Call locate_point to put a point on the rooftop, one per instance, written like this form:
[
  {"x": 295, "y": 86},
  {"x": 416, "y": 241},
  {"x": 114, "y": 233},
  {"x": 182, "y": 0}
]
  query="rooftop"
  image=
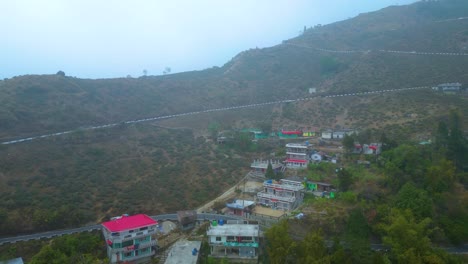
[
  {"x": 181, "y": 252},
  {"x": 129, "y": 222},
  {"x": 240, "y": 204},
  {"x": 234, "y": 230},
  {"x": 296, "y": 145}
]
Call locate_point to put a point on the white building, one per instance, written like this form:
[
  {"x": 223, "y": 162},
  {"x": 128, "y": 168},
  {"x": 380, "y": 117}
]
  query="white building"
[
  {"x": 327, "y": 134},
  {"x": 234, "y": 239},
  {"x": 296, "y": 156},
  {"x": 283, "y": 195}
]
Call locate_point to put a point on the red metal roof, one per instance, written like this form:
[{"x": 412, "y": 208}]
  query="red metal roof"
[
  {"x": 129, "y": 222},
  {"x": 296, "y": 160},
  {"x": 291, "y": 132}
]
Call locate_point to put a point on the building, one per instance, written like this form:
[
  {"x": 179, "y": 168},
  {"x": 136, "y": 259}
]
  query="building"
[
  {"x": 129, "y": 238},
  {"x": 240, "y": 207},
  {"x": 448, "y": 87},
  {"x": 338, "y": 134},
  {"x": 283, "y": 195},
  {"x": 187, "y": 219},
  {"x": 327, "y": 134},
  {"x": 260, "y": 166},
  {"x": 373, "y": 148},
  {"x": 320, "y": 189},
  {"x": 296, "y": 155},
  {"x": 183, "y": 251},
  {"x": 12, "y": 261},
  {"x": 235, "y": 239}
]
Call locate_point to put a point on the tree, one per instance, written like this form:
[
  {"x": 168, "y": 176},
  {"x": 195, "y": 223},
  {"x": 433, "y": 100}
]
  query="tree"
[
  {"x": 387, "y": 143},
  {"x": 167, "y": 70},
  {"x": 280, "y": 247},
  {"x": 344, "y": 179},
  {"x": 415, "y": 199},
  {"x": 145, "y": 72},
  {"x": 348, "y": 143},
  {"x": 457, "y": 144},
  {"x": 61, "y": 73},
  {"x": 407, "y": 237},
  {"x": 440, "y": 177},
  {"x": 270, "y": 174},
  {"x": 312, "y": 249}
]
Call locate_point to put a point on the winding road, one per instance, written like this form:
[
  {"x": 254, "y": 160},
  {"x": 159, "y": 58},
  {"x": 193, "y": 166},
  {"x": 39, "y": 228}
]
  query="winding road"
[{"x": 57, "y": 233}]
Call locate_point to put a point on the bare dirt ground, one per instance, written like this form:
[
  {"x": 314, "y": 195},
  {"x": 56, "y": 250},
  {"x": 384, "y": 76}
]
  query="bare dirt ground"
[{"x": 249, "y": 186}]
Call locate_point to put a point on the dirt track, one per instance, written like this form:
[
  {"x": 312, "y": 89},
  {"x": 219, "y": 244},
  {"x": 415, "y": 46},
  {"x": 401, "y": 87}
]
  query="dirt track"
[{"x": 229, "y": 194}]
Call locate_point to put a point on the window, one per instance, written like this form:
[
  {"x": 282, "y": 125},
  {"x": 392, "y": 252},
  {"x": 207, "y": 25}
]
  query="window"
[
  {"x": 127, "y": 243},
  {"x": 218, "y": 238},
  {"x": 231, "y": 238},
  {"x": 246, "y": 239},
  {"x": 143, "y": 228},
  {"x": 129, "y": 254},
  {"x": 139, "y": 233},
  {"x": 117, "y": 245},
  {"x": 131, "y": 231}
]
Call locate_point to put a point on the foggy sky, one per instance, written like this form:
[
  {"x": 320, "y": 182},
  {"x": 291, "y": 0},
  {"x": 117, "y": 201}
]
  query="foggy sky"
[{"x": 104, "y": 39}]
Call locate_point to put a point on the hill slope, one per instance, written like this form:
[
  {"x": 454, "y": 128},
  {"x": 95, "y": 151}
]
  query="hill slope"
[{"x": 150, "y": 169}]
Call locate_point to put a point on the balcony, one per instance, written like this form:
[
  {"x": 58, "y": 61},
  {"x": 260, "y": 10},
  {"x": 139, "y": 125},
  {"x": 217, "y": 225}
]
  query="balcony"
[
  {"x": 289, "y": 199},
  {"x": 144, "y": 255},
  {"x": 131, "y": 236},
  {"x": 140, "y": 246},
  {"x": 285, "y": 185}
]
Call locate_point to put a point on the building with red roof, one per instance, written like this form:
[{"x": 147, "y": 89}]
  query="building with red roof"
[
  {"x": 296, "y": 156},
  {"x": 130, "y": 238},
  {"x": 284, "y": 195}
]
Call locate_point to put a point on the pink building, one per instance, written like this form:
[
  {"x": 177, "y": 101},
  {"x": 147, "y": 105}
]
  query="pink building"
[{"x": 129, "y": 238}]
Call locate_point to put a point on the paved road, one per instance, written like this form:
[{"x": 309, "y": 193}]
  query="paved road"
[
  {"x": 21, "y": 140},
  {"x": 50, "y": 234}
]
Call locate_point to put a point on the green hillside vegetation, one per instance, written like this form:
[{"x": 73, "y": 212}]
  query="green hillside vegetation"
[
  {"x": 413, "y": 201},
  {"x": 91, "y": 176}
]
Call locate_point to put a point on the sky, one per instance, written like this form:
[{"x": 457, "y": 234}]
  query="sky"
[{"x": 115, "y": 38}]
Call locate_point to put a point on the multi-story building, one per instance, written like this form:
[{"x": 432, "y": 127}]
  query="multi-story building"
[
  {"x": 283, "y": 195},
  {"x": 235, "y": 239},
  {"x": 129, "y": 238},
  {"x": 260, "y": 166},
  {"x": 296, "y": 156}
]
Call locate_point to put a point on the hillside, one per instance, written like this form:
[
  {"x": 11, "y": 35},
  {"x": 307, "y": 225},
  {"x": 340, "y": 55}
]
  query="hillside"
[
  {"x": 147, "y": 168},
  {"x": 38, "y": 104}
]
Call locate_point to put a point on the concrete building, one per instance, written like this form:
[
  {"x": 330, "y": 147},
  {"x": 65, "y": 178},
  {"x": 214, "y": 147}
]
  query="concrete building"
[
  {"x": 187, "y": 219},
  {"x": 129, "y": 238},
  {"x": 184, "y": 252},
  {"x": 296, "y": 156},
  {"x": 327, "y": 134},
  {"x": 448, "y": 87},
  {"x": 283, "y": 195},
  {"x": 234, "y": 239},
  {"x": 260, "y": 166},
  {"x": 240, "y": 207}
]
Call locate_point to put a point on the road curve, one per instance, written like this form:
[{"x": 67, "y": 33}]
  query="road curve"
[{"x": 57, "y": 233}]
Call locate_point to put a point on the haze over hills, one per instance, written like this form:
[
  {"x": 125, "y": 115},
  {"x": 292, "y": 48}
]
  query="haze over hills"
[{"x": 40, "y": 104}]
